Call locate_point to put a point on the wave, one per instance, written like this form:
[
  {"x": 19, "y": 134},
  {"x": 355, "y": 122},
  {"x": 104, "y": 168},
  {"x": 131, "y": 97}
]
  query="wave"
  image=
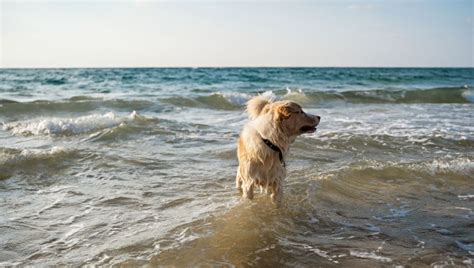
[
  {"x": 125, "y": 131},
  {"x": 227, "y": 101},
  {"x": 74, "y": 104},
  {"x": 360, "y": 202},
  {"x": 369, "y": 176},
  {"x": 460, "y": 166},
  {"x": 217, "y": 100},
  {"x": 27, "y": 159},
  {"x": 296, "y": 95},
  {"x": 9, "y": 156},
  {"x": 235, "y": 100},
  {"x": 6, "y": 101},
  {"x": 384, "y": 146},
  {"x": 68, "y": 126},
  {"x": 433, "y": 95}
]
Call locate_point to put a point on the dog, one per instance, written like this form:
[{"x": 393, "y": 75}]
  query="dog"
[{"x": 264, "y": 143}]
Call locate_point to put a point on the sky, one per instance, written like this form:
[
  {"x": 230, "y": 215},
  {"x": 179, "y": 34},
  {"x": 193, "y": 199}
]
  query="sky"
[{"x": 139, "y": 33}]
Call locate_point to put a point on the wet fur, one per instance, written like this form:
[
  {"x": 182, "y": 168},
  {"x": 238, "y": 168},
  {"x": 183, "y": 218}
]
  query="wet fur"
[{"x": 260, "y": 166}]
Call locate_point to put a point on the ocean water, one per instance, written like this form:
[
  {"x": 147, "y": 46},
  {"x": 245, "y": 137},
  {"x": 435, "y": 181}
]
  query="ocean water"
[{"x": 136, "y": 167}]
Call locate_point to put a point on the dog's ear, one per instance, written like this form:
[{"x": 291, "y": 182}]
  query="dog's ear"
[
  {"x": 283, "y": 111},
  {"x": 256, "y": 106}
]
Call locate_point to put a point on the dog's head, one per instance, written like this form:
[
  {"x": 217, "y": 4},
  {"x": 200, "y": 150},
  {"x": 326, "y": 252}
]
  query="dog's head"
[
  {"x": 288, "y": 116},
  {"x": 293, "y": 119}
]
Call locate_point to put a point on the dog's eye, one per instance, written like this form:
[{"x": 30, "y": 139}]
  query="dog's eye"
[{"x": 298, "y": 112}]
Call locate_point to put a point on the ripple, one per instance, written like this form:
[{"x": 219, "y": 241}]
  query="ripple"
[{"x": 176, "y": 202}]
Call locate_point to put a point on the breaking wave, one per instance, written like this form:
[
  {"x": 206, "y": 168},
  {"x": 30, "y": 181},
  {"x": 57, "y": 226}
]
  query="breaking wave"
[
  {"x": 10, "y": 156},
  {"x": 27, "y": 160},
  {"x": 68, "y": 126}
]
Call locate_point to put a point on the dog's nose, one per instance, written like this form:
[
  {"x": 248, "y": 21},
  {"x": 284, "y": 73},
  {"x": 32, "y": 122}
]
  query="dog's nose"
[{"x": 318, "y": 117}]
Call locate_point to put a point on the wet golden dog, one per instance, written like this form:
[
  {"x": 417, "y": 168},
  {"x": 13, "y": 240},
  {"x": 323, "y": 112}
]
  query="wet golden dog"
[{"x": 264, "y": 143}]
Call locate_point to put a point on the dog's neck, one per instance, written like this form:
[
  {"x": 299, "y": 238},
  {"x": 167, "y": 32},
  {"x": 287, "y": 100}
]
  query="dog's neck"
[
  {"x": 268, "y": 130},
  {"x": 276, "y": 149}
]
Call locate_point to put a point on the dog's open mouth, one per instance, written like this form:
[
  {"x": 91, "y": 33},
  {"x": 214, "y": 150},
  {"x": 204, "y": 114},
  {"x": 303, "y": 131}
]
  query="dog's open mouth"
[{"x": 308, "y": 129}]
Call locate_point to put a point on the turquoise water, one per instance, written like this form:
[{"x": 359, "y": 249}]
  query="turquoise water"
[
  {"x": 52, "y": 84},
  {"x": 137, "y": 166}
]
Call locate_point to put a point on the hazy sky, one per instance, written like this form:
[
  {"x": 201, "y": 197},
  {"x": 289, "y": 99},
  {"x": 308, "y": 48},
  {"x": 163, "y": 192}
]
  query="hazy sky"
[{"x": 254, "y": 33}]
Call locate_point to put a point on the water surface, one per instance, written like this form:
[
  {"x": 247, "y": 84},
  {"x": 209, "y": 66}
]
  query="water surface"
[{"x": 137, "y": 166}]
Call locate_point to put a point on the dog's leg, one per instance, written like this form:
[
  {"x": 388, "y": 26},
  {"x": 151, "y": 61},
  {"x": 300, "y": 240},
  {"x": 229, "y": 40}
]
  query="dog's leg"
[
  {"x": 248, "y": 190},
  {"x": 238, "y": 181},
  {"x": 267, "y": 188},
  {"x": 277, "y": 194}
]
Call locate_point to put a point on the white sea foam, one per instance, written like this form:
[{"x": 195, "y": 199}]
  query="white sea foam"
[
  {"x": 369, "y": 255},
  {"x": 466, "y": 196},
  {"x": 296, "y": 95},
  {"x": 460, "y": 165},
  {"x": 269, "y": 95},
  {"x": 468, "y": 94},
  {"x": 68, "y": 126},
  {"x": 416, "y": 123},
  {"x": 12, "y": 156},
  {"x": 320, "y": 252},
  {"x": 235, "y": 97},
  {"x": 294, "y": 92},
  {"x": 242, "y": 98},
  {"x": 42, "y": 153}
]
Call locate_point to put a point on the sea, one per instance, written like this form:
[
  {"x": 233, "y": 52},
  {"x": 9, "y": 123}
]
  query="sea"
[{"x": 136, "y": 167}]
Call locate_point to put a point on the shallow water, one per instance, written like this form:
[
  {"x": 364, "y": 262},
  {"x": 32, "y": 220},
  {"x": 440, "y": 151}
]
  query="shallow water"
[{"x": 137, "y": 166}]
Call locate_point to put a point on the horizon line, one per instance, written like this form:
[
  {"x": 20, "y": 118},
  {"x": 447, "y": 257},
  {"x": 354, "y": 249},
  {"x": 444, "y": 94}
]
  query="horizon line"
[{"x": 235, "y": 67}]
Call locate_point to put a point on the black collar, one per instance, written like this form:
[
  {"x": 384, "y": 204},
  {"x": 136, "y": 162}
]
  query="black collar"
[{"x": 276, "y": 149}]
